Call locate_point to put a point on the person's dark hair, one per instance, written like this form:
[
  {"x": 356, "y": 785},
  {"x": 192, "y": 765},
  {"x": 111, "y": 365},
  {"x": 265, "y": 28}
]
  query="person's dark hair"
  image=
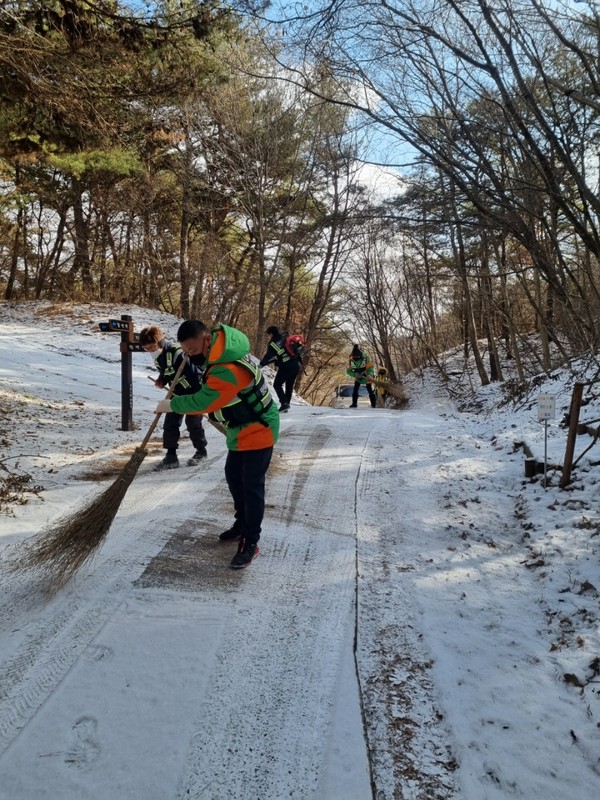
[
  {"x": 274, "y": 331},
  {"x": 356, "y": 351},
  {"x": 190, "y": 329},
  {"x": 150, "y": 335}
]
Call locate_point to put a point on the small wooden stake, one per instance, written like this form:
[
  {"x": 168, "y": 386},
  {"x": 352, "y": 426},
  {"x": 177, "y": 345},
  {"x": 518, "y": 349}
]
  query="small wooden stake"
[{"x": 572, "y": 434}]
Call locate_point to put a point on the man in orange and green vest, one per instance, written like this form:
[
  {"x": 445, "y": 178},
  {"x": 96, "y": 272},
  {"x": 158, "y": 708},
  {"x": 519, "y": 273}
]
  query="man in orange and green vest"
[
  {"x": 235, "y": 395},
  {"x": 360, "y": 368}
]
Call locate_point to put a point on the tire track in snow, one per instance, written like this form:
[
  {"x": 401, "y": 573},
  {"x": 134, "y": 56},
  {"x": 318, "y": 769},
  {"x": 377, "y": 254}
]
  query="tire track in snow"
[
  {"x": 408, "y": 746},
  {"x": 266, "y": 721},
  {"x": 317, "y": 440}
]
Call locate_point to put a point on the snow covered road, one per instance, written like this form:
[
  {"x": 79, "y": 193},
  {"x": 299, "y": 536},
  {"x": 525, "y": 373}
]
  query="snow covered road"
[
  {"x": 161, "y": 673},
  {"x": 421, "y": 624}
]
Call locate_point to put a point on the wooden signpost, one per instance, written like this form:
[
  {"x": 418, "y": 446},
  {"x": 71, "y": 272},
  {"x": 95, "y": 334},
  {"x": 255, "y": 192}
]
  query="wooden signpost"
[
  {"x": 572, "y": 434},
  {"x": 129, "y": 344}
]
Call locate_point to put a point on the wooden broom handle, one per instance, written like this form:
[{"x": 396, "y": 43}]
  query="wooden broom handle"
[{"x": 167, "y": 396}]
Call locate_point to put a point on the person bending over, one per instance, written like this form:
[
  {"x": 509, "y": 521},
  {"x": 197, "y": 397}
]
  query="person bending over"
[
  {"x": 235, "y": 395},
  {"x": 167, "y": 357},
  {"x": 360, "y": 368}
]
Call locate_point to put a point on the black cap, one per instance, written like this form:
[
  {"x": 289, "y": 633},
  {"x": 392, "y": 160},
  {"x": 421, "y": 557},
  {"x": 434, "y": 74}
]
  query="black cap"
[{"x": 273, "y": 330}]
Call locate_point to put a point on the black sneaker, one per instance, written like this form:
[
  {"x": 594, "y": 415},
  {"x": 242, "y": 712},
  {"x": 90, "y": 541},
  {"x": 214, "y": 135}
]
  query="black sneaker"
[
  {"x": 170, "y": 461},
  {"x": 246, "y": 552},
  {"x": 284, "y": 407},
  {"x": 197, "y": 458},
  {"x": 353, "y": 405},
  {"x": 230, "y": 535}
]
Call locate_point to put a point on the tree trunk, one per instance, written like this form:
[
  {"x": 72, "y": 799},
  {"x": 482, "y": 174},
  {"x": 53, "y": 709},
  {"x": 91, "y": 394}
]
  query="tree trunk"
[
  {"x": 49, "y": 265},
  {"x": 184, "y": 229},
  {"x": 488, "y": 312},
  {"x": 81, "y": 260},
  {"x": 541, "y": 324},
  {"x": 459, "y": 253},
  {"x": 14, "y": 257}
]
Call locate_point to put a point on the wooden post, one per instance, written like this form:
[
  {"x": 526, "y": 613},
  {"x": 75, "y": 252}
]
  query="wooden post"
[
  {"x": 572, "y": 434},
  {"x": 127, "y": 336}
]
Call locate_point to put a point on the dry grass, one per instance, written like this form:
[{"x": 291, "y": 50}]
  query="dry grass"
[
  {"x": 57, "y": 310},
  {"x": 398, "y": 393},
  {"x": 14, "y": 488}
]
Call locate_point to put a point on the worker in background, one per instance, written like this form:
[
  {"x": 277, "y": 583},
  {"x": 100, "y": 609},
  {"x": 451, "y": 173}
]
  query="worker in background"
[
  {"x": 288, "y": 365},
  {"x": 360, "y": 368},
  {"x": 167, "y": 358}
]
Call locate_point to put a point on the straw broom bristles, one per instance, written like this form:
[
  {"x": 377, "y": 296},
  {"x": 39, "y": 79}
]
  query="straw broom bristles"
[
  {"x": 61, "y": 550},
  {"x": 396, "y": 391},
  {"x": 393, "y": 389}
]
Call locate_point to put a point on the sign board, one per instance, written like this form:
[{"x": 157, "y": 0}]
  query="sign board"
[
  {"x": 110, "y": 327},
  {"x": 546, "y": 407},
  {"x": 118, "y": 325},
  {"x": 132, "y": 347},
  {"x": 114, "y": 326}
]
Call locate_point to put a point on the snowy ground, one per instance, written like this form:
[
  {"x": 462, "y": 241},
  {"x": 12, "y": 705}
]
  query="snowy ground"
[{"x": 422, "y": 622}]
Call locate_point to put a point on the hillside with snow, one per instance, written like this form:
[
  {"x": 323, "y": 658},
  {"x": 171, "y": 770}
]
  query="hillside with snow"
[{"x": 422, "y": 623}]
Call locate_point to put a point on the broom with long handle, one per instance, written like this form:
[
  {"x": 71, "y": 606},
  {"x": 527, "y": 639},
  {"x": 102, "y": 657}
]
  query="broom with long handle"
[{"x": 58, "y": 552}]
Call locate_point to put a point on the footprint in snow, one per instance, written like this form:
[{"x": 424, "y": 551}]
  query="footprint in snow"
[
  {"x": 98, "y": 652},
  {"x": 85, "y": 749}
]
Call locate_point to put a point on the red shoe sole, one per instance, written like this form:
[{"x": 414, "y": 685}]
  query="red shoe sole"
[{"x": 243, "y": 566}]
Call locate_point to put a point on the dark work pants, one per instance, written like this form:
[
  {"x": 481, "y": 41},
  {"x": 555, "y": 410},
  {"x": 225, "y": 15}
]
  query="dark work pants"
[
  {"x": 285, "y": 380},
  {"x": 193, "y": 422},
  {"x": 245, "y": 472},
  {"x": 372, "y": 396}
]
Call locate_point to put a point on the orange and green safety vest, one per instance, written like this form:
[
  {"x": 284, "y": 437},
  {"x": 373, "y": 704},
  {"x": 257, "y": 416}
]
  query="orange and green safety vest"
[{"x": 234, "y": 393}]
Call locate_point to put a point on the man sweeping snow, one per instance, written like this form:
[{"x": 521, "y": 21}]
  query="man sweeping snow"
[
  {"x": 167, "y": 357},
  {"x": 235, "y": 395},
  {"x": 360, "y": 367}
]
